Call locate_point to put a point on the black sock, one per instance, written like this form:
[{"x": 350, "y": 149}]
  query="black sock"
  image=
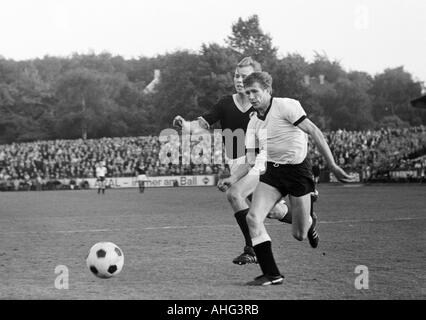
[
  {"x": 240, "y": 216},
  {"x": 266, "y": 259}
]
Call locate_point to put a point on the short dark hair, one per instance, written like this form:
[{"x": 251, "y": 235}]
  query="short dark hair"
[
  {"x": 263, "y": 78},
  {"x": 249, "y": 61}
]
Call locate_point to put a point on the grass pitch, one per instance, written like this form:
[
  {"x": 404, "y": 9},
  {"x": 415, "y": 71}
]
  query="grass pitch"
[{"x": 179, "y": 243}]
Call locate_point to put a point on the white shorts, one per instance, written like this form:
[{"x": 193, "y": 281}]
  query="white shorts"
[
  {"x": 235, "y": 163},
  {"x": 142, "y": 177}
]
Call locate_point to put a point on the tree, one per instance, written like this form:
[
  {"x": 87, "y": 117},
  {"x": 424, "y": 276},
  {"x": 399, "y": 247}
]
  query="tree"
[
  {"x": 323, "y": 100},
  {"x": 86, "y": 99},
  {"x": 288, "y": 74},
  {"x": 217, "y": 65},
  {"x": 248, "y": 39},
  {"x": 179, "y": 89},
  {"x": 26, "y": 104},
  {"x": 100, "y": 62},
  {"x": 391, "y": 122},
  {"x": 353, "y": 104},
  {"x": 392, "y": 91},
  {"x": 331, "y": 70}
]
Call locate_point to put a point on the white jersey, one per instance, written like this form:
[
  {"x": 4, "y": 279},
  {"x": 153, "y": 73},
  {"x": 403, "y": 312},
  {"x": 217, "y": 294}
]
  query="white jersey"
[
  {"x": 255, "y": 135},
  {"x": 101, "y": 172},
  {"x": 277, "y": 133}
]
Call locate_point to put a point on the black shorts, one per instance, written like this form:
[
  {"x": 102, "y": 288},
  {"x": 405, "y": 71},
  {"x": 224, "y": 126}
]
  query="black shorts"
[
  {"x": 293, "y": 179},
  {"x": 101, "y": 179}
]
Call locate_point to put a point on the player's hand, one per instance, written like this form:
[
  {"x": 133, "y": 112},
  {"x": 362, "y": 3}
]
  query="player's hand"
[
  {"x": 178, "y": 121},
  {"x": 181, "y": 123},
  {"x": 224, "y": 184},
  {"x": 341, "y": 175}
]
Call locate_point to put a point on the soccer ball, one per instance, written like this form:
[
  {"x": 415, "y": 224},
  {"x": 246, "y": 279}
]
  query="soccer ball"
[{"x": 105, "y": 260}]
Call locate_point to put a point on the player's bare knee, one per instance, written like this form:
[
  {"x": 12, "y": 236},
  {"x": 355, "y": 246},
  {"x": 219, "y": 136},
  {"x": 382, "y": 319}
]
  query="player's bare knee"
[
  {"x": 233, "y": 195},
  {"x": 275, "y": 214}
]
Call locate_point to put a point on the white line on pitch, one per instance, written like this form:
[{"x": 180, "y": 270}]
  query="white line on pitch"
[
  {"x": 374, "y": 220},
  {"x": 203, "y": 226}
]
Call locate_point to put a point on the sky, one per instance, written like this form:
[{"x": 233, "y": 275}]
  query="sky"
[{"x": 364, "y": 35}]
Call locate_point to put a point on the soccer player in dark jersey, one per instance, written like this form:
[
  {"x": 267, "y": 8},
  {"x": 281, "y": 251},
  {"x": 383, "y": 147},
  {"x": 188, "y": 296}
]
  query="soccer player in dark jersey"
[
  {"x": 233, "y": 113},
  {"x": 316, "y": 171},
  {"x": 141, "y": 174}
]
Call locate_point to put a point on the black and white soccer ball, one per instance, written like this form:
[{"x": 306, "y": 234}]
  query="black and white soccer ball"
[{"x": 105, "y": 260}]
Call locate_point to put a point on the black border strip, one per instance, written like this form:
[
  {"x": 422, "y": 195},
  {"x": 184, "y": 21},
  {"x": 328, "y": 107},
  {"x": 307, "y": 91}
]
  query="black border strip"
[{"x": 300, "y": 120}]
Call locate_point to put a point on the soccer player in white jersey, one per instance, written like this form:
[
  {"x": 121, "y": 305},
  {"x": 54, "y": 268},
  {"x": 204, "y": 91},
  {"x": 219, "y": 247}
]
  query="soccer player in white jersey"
[
  {"x": 101, "y": 172},
  {"x": 233, "y": 113},
  {"x": 248, "y": 177},
  {"x": 288, "y": 171}
]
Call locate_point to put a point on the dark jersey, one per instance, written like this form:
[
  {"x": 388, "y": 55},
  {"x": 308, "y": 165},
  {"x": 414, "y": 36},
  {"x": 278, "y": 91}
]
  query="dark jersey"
[
  {"x": 316, "y": 170},
  {"x": 231, "y": 118},
  {"x": 140, "y": 170}
]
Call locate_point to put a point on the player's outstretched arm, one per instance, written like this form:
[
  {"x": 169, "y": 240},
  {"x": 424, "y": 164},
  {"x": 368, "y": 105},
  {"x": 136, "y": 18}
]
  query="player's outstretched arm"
[
  {"x": 341, "y": 175},
  {"x": 310, "y": 128},
  {"x": 193, "y": 127},
  {"x": 225, "y": 183},
  {"x": 254, "y": 165}
]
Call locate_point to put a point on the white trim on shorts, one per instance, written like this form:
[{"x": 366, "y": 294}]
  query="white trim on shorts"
[{"x": 142, "y": 177}]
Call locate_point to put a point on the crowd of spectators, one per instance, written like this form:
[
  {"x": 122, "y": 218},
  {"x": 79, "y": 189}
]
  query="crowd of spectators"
[
  {"x": 42, "y": 164},
  {"x": 371, "y": 153}
]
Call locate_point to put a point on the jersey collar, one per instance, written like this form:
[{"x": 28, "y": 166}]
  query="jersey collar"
[
  {"x": 266, "y": 112},
  {"x": 240, "y": 106}
]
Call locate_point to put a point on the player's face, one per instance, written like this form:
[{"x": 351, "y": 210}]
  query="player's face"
[
  {"x": 258, "y": 96},
  {"x": 240, "y": 74}
]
